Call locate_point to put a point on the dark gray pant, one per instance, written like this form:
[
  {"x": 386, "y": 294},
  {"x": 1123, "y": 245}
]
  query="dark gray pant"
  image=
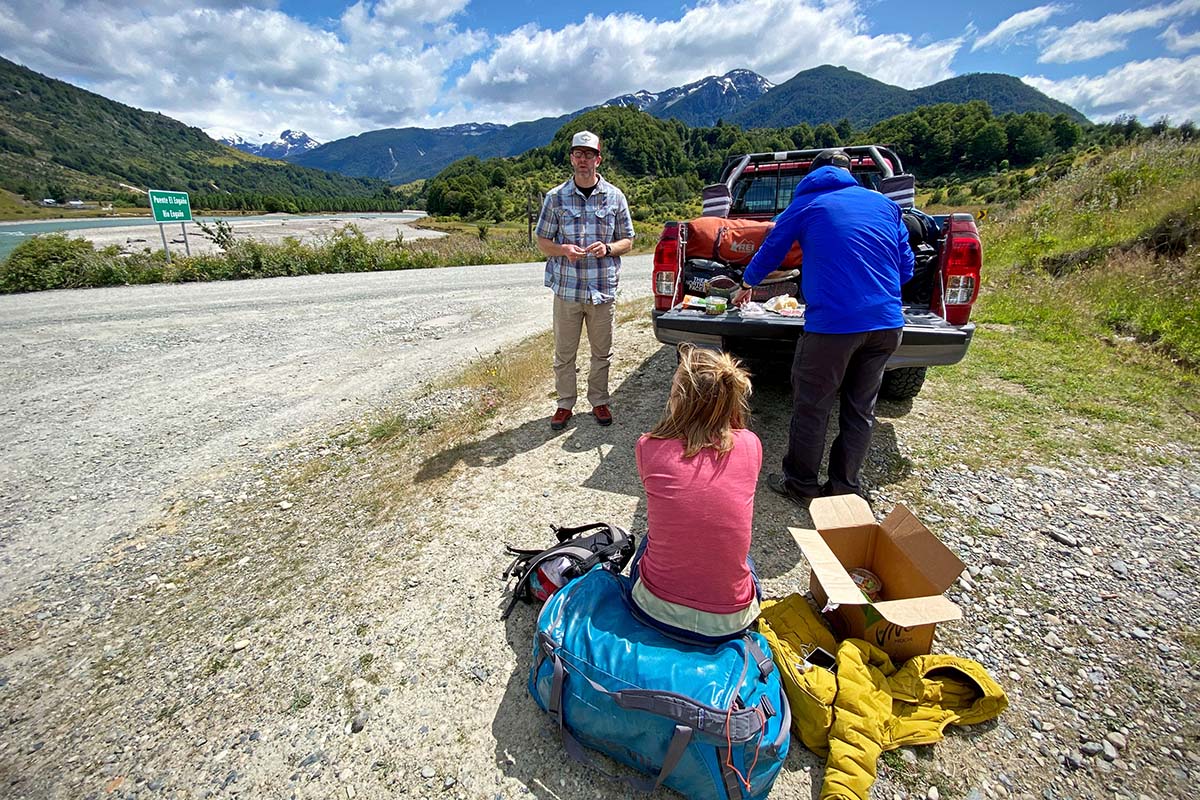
[{"x": 830, "y": 366}]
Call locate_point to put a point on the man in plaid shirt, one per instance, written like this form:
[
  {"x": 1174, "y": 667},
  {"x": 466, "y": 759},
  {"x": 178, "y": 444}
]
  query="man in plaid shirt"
[{"x": 584, "y": 228}]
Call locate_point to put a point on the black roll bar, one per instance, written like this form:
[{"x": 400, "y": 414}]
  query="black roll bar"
[{"x": 883, "y": 157}]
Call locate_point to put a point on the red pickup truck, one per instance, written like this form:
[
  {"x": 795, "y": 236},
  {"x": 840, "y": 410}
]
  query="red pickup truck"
[{"x": 937, "y": 301}]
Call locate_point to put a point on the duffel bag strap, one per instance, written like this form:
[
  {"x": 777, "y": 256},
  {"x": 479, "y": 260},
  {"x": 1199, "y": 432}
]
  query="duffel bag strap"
[
  {"x": 563, "y": 534},
  {"x": 785, "y": 726},
  {"x": 521, "y": 557},
  {"x": 680, "y": 740},
  {"x": 601, "y": 556},
  {"x": 739, "y": 725},
  {"x": 733, "y": 785},
  {"x": 764, "y": 662}
]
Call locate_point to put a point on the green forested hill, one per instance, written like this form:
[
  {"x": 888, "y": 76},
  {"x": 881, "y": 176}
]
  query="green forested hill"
[
  {"x": 57, "y": 139},
  {"x": 1003, "y": 93},
  {"x": 400, "y": 155},
  {"x": 828, "y": 93},
  {"x": 662, "y": 164},
  {"x": 825, "y": 94}
]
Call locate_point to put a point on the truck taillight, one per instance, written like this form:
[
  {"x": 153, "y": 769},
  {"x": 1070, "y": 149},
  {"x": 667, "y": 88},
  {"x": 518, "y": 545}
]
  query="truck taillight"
[
  {"x": 960, "y": 290},
  {"x": 664, "y": 282},
  {"x": 666, "y": 267},
  {"x": 964, "y": 258}
]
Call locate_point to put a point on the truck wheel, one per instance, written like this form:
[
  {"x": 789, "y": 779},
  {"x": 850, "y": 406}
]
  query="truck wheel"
[{"x": 902, "y": 384}]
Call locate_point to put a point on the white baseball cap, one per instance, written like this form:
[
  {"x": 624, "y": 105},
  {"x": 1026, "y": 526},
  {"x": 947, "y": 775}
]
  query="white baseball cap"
[{"x": 586, "y": 139}]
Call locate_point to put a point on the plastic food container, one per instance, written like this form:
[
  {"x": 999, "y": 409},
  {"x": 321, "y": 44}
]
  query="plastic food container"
[
  {"x": 716, "y": 305},
  {"x": 868, "y": 582},
  {"x": 720, "y": 286}
]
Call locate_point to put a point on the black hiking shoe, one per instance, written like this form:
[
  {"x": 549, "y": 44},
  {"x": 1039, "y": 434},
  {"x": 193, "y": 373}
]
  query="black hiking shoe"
[{"x": 777, "y": 483}]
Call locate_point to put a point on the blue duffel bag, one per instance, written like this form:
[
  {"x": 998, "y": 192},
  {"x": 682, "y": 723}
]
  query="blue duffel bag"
[{"x": 709, "y": 721}]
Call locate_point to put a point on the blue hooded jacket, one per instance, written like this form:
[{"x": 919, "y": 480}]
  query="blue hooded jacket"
[{"x": 856, "y": 253}]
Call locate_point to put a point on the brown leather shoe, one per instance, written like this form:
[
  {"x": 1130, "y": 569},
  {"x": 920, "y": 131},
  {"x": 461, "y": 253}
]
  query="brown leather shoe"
[
  {"x": 559, "y": 420},
  {"x": 602, "y": 415}
]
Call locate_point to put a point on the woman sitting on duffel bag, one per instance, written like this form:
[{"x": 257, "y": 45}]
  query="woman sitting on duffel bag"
[{"x": 692, "y": 576}]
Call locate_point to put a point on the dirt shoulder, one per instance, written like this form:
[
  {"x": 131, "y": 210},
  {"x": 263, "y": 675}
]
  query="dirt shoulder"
[{"x": 326, "y": 623}]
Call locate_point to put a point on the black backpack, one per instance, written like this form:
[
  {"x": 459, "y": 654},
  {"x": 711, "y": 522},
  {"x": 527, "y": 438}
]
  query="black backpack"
[{"x": 583, "y": 546}]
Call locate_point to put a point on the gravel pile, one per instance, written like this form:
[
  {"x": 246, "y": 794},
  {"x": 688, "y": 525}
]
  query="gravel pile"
[
  {"x": 326, "y": 623},
  {"x": 1080, "y": 597}
]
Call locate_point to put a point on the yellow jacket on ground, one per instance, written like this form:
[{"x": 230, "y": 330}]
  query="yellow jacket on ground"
[{"x": 868, "y": 705}]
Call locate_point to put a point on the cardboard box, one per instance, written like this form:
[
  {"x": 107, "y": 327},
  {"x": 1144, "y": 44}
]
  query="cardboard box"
[{"x": 913, "y": 565}]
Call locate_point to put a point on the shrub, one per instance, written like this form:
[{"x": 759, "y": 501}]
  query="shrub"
[{"x": 43, "y": 262}]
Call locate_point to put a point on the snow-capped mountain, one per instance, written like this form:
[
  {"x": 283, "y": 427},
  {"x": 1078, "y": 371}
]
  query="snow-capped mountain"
[
  {"x": 702, "y": 102},
  {"x": 640, "y": 100},
  {"x": 472, "y": 129},
  {"x": 289, "y": 143}
]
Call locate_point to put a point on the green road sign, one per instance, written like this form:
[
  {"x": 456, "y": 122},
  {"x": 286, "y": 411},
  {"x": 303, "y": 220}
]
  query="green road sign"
[{"x": 170, "y": 206}]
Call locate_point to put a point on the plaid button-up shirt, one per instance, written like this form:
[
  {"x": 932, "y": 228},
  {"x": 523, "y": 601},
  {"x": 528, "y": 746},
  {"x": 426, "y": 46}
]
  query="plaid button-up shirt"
[{"x": 570, "y": 218}]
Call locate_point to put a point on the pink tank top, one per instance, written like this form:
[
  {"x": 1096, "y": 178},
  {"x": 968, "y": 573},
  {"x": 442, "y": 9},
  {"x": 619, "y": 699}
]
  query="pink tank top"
[{"x": 700, "y": 512}]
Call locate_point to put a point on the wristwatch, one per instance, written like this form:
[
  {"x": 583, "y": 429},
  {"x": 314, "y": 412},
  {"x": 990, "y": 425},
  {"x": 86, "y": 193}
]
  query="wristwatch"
[
  {"x": 607, "y": 249},
  {"x": 745, "y": 287}
]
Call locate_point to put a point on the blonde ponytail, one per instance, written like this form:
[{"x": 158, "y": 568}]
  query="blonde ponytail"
[{"x": 709, "y": 399}]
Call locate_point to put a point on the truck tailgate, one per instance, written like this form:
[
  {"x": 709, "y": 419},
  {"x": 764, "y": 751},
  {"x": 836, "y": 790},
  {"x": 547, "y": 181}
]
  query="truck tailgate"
[{"x": 928, "y": 339}]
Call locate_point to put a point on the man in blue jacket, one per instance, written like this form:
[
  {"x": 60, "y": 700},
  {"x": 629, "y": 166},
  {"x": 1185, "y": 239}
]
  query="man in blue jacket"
[{"x": 856, "y": 256}]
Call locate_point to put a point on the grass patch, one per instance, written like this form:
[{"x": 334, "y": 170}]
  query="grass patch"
[
  {"x": 514, "y": 375},
  {"x": 1105, "y": 201},
  {"x": 1031, "y": 396},
  {"x": 166, "y": 712},
  {"x": 499, "y": 380},
  {"x": 468, "y": 228},
  {"x": 1087, "y": 341},
  {"x": 386, "y": 429},
  {"x": 1190, "y": 637},
  {"x": 301, "y": 699}
]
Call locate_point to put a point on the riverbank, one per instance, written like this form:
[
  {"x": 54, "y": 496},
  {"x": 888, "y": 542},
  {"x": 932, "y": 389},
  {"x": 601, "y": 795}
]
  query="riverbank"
[
  {"x": 267, "y": 248},
  {"x": 64, "y": 215},
  {"x": 137, "y": 234},
  {"x": 304, "y": 229}
]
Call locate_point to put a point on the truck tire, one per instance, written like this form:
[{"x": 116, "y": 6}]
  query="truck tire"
[{"x": 902, "y": 384}]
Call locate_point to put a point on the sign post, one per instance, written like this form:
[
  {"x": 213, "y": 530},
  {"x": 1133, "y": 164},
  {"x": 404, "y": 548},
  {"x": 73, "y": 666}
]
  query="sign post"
[{"x": 171, "y": 207}]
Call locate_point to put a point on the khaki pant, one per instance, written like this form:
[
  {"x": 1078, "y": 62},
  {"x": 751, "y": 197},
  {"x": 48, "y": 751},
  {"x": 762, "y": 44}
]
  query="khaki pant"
[{"x": 569, "y": 319}]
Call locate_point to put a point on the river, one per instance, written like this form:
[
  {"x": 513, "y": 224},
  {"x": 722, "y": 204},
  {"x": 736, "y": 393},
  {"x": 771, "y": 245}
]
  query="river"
[{"x": 13, "y": 233}]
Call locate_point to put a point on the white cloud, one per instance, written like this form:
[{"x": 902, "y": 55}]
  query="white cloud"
[
  {"x": 229, "y": 64},
  {"x": 1147, "y": 89},
  {"x": 533, "y": 69},
  {"x": 1180, "y": 42},
  {"x": 1093, "y": 38},
  {"x": 1009, "y": 30},
  {"x": 232, "y": 66},
  {"x": 249, "y": 67}
]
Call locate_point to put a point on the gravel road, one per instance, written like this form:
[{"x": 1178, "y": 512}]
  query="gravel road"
[
  {"x": 112, "y": 400},
  {"x": 319, "y": 620}
]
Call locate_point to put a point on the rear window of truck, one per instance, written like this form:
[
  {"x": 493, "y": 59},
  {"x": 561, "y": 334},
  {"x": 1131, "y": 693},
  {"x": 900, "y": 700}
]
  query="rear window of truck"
[
  {"x": 771, "y": 192},
  {"x": 765, "y": 193}
]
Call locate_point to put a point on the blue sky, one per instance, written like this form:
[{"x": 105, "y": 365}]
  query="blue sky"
[{"x": 337, "y": 69}]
